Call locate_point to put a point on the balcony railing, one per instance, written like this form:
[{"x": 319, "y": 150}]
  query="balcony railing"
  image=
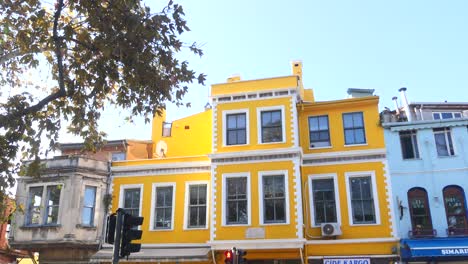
[
  {"x": 453, "y": 231},
  {"x": 422, "y": 233}
]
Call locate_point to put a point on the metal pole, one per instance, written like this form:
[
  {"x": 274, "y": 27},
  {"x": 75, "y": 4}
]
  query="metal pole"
[{"x": 118, "y": 231}]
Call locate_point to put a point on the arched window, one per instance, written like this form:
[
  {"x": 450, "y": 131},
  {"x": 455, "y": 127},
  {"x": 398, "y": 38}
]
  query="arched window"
[
  {"x": 455, "y": 210},
  {"x": 420, "y": 213}
]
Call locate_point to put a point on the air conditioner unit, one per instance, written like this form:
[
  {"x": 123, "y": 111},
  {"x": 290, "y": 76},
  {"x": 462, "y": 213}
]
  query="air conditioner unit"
[{"x": 330, "y": 229}]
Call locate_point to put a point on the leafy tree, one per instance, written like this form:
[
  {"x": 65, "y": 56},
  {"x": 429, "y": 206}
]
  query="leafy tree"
[{"x": 100, "y": 53}]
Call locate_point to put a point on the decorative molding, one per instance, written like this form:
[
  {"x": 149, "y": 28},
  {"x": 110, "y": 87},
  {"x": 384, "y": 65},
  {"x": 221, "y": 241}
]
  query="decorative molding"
[
  {"x": 389, "y": 197},
  {"x": 215, "y": 127},
  {"x": 298, "y": 199},
  {"x": 340, "y": 157},
  {"x": 425, "y": 124},
  {"x": 393, "y": 173},
  {"x": 161, "y": 169},
  {"x": 256, "y": 155},
  {"x": 257, "y": 244},
  {"x": 251, "y": 96},
  {"x": 213, "y": 202},
  {"x": 294, "y": 122},
  {"x": 352, "y": 241}
]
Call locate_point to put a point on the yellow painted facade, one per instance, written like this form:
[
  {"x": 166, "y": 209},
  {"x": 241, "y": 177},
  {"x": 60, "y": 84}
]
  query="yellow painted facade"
[{"x": 253, "y": 153}]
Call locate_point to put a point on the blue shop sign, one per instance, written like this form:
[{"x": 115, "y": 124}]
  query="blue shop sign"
[
  {"x": 346, "y": 261},
  {"x": 437, "y": 248}
]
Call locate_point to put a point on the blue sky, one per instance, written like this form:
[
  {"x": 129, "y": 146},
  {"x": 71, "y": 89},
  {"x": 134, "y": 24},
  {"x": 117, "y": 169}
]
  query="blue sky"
[{"x": 381, "y": 45}]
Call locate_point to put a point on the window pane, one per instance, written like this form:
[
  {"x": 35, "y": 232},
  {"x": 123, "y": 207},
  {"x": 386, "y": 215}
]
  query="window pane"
[
  {"x": 232, "y": 122},
  {"x": 86, "y": 216},
  {"x": 53, "y": 195},
  {"x": 313, "y": 124},
  {"x": 35, "y": 196},
  {"x": 89, "y": 196},
  {"x": 349, "y": 137},
  {"x": 457, "y": 115},
  {"x": 357, "y": 120},
  {"x": 441, "y": 144},
  {"x": 447, "y": 115},
  {"x": 324, "y": 200},
  {"x": 436, "y": 116},
  {"x": 359, "y": 136},
  {"x": 236, "y": 200},
  {"x": 348, "y": 120},
  {"x": 362, "y": 200},
  {"x": 323, "y": 123},
  {"x": 132, "y": 201}
]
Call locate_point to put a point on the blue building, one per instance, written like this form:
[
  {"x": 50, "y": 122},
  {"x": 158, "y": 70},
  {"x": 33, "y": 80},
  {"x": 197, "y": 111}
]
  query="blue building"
[{"x": 427, "y": 152}]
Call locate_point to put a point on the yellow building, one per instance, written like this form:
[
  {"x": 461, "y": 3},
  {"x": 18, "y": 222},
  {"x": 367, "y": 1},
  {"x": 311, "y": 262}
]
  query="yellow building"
[{"x": 268, "y": 170}]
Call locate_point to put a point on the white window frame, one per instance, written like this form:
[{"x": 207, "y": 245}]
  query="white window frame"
[
  {"x": 187, "y": 202},
  {"x": 43, "y": 203},
  {"x": 118, "y": 156},
  {"x": 247, "y": 126},
  {"x": 123, "y": 187},
  {"x": 224, "y": 198},
  {"x": 259, "y": 123},
  {"x": 93, "y": 217},
  {"x": 447, "y": 141},
  {"x": 262, "y": 174},
  {"x": 440, "y": 114},
  {"x": 333, "y": 176},
  {"x": 153, "y": 204},
  {"x": 371, "y": 174}
]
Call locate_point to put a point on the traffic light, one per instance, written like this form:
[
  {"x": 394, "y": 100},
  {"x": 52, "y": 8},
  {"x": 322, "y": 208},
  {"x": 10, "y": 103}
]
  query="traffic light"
[
  {"x": 110, "y": 228},
  {"x": 129, "y": 233},
  {"x": 241, "y": 256},
  {"x": 228, "y": 257}
]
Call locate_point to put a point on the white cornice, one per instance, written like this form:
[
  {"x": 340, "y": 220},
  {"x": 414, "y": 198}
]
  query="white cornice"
[
  {"x": 172, "y": 165},
  {"x": 350, "y": 153},
  {"x": 256, "y": 153},
  {"x": 352, "y": 241},
  {"x": 257, "y": 244}
]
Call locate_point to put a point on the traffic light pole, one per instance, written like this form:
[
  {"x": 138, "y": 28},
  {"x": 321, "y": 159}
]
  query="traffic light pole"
[{"x": 118, "y": 231}]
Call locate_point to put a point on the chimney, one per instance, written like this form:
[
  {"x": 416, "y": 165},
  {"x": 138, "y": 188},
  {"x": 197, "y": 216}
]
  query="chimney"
[
  {"x": 234, "y": 78},
  {"x": 402, "y": 91},
  {"x": 297, "y": 68},
  {"x": 358, "y": 92},
  {"x": 395, "y": 101}
]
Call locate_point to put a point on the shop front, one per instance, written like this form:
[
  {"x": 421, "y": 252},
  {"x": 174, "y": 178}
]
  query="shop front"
[{"x": 434, "y": 250}]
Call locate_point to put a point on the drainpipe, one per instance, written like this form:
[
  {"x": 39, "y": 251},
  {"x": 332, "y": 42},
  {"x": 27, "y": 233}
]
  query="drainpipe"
[{"x": 405, "y": 104}]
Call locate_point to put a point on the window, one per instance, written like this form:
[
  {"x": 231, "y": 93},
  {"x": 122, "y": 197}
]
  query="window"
[
  {"x": 236, "y": 129},
  {"x": 34, "y": 206},
  {"x": 89, "y": 203},
  {"x": 319, "y": 133},
  {"x": 236, "y": 200},
  {"x": 353, "y": 124},
  {"x": 409, "y": 145},
  {"x": 455, "y": 209},
  {"x": 420, "y": 213},
  {"x": 272, "y": 127},
  {"x": 47, "y": 213},
  {"x": 324, "y": 200},
  {"x": 117, "y": 156},
  {"x": 362, "y": 193},
  {"x": 446, "y": 115},
  {"x": 443, "y": 141},
  {"x": 166, "y": 129},
  {"x": 197, "y": 206},
  {"x": 164, "y": 205},
  {"x": 131, "y": 202},
  {"x": 273, "y": 195}
]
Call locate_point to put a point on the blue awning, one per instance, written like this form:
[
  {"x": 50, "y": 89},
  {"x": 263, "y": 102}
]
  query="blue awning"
[{"x": 436, "y": 248}]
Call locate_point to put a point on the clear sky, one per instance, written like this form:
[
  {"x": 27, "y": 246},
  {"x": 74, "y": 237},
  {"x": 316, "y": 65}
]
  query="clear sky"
[{"x": 373, "y": 44}]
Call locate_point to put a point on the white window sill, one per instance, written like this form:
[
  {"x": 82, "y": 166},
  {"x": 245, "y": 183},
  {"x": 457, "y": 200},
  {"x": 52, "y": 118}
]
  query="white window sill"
[
  {"x": 195, "y": 228},
  {"x": 355, "y": 145},
  {"x": 161, "y": 230},
  {"x": 415, "y": 159},
  {"x": 271, "y": 143},
  {"x": 375, "y": 224},
  {"x": 236, "y": 145},
  {"x": 274, "y": 224},
  {"x": 327, "y": 147},
  {"x": 234, "y": 225},
  {"x": 445, "y": 157}
]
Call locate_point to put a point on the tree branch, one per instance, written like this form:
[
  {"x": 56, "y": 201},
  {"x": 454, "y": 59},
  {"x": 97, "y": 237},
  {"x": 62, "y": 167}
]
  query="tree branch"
[{"x": 58, "y": 49}]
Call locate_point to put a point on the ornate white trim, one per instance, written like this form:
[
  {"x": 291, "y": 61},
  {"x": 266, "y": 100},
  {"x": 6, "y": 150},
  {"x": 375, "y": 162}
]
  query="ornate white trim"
[
  {"x": 334, "y": 177},
  {"x": 214, "y": 146},
  {"x": 298, "y": 199},
  {"x": 213, "y": 202},
  {"x": 259, "y": 123},
  {"x": 294, "y": 122},
  {"x": 257, "y": 244},
  {"x": 343, "y": 157},
  {"x": 254, "y": 153},
  {"x": 353, "y": 241},
  {"x": 161, "y": 169},
  {"x": 261, "y": 176},
  {"x": 389, "y": 198},
  {"x": 153, "y": 205},
  {"x": 254, "y": 95}
]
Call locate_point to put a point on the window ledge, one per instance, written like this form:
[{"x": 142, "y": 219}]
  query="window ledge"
[
  {"x": 273, "y": 224},
  {"x": 447, "y": 157},
  {"x": 365, "y": 224},
  {"x": 355, "y": 145},
  {"x": 271, "y": 143},
  {"x": 195, "y": 228},
  {"x": 327, "y": 147},
  {"x": 415, "y": 159},
  {"x": 90, "y": 227},
  {"x": 41, "y": 226},
  {"x": 161, "y": 230}
]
